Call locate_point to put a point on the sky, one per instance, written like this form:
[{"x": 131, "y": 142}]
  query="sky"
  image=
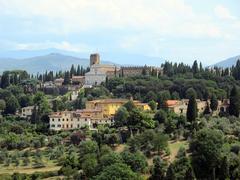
[{"x": 175, "y": 30}]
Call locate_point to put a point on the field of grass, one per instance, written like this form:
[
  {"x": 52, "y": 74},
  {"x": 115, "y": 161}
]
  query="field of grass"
[
  {"x": 29, "y": 169},
  {"x": 174, "y": 146}
]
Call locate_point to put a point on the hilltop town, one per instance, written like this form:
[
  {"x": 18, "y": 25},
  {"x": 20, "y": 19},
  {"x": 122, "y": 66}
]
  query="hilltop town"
[{"x": 73, "y": 123}]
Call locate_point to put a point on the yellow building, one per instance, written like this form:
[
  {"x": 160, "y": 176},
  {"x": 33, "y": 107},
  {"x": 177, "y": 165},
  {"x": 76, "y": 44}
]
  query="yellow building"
[
  {"x": 97, "y": 112},
  {"x": 110, "y": 106}
]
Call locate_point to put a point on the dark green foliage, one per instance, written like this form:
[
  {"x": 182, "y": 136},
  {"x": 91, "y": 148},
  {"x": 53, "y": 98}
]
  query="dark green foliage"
[
  {"x": 213, "y": 103},
  {"x": 153, "y": 105},
  {"x": 179, "y": 169},
  {"x": 195, "y": 67},
  {"x": 137, "y": 161},
  {"x": 149, "y": 142},
  {"x": 109, "y": 159},
  {"x": 224, "y": 169},
  {"x": 206, "y": 152},
  {"x": 12, "y": 105},
  {"x": 159, "y": 169},
  {"x": 162, "y": 97},
  {"x": 117, "y": 171},
  {"x": 192, "y": 110},
  {"x": 121, "y": 117},
  {"x": 207, "y": 109},
  {"x": 170, "y": 175},
  {"x": 236, "y": 71},
  {"x": 234, "y": 106},
  {"x": 129, "y": 106},
  {"x": 67, "y": 77},
  {"x": 160, "y": 116}
]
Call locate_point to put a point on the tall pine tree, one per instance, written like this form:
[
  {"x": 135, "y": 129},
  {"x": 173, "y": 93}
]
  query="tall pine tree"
[
  {"x": 213, "y": 103},
  {"x": 234, "y": 102},
  {"x": 192, "y": 109},
  {"x": 195, "y": 67}
]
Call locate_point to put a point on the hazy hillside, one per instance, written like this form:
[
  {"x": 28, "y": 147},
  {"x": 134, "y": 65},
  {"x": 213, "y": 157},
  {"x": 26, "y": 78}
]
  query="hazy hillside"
[
  {"x": 53, "y": 61},
  {"x": 228, "y": 62},
  {"x": 19, "y": 58}
]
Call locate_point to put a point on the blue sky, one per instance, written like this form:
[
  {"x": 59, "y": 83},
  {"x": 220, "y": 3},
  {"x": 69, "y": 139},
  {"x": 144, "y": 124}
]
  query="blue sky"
[{"x": 176, "y": 30}]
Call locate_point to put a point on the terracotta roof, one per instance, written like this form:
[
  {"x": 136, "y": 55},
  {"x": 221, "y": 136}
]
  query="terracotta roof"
[
  {"x": 109, "y": 101},
  {"x": 78, "y": 77},
  {"x": 171, "y": 103},
  {"x": 87, "y": 110}
]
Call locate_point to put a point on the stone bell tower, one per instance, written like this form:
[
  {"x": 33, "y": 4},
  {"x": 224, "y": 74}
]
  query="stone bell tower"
[{"x": 94, "y": 59}]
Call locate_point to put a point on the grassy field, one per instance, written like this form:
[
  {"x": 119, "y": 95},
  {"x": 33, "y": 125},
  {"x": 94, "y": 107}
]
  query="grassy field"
[
  {"x": 49, "y": 166},
  {"x": 174, "y": 146}
]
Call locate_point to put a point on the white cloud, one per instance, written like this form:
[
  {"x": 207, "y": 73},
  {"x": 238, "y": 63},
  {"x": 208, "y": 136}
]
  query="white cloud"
[
  {"x": 140, "y": 24},
  {"x": 163, "y": 17},
  {"x": 223, "y": 13},
  {"x": 64, "y": 45}
]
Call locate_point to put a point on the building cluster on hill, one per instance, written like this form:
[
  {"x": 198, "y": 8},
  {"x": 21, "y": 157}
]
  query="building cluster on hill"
[
  {"x": 100, "y": 72},
  {"x": 97, "y": 112},
  {"x": 180, "y": 106}
]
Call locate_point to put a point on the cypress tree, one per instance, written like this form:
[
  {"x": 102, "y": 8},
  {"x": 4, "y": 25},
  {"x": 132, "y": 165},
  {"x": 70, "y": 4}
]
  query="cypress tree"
[
  {"x": 236, "y": 70},
  {"x": 158, "y": 169},
  {"x": 189, "y": 174},
  {"x": 234, "y": 102},
  {"x": 170, "y": 175},
  {"x": 66, "y": 78},
  {"x": 72, "y": 71},
  {"x": 201, "y": 67},
  {"x": 213, "y": 103},
  {"x": 78, "y": 71},
  {"x": 224, "y": 169},
  {"x": 192, "y": 109},
  {"x": 195, "y": 67},
  {"x": 207, "y": 109}
]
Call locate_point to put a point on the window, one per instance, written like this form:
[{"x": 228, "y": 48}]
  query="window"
[
  {"x": 71, "y": 119},
  {"x": 52, "y": 119},
  {"x": 85, "y": 119},
  {"x": 71, "y": 125},
  {"x": 63, "y": 126},
  {"x": 78, "y": 126},
  {"x": 78, "y": 119},
  {"x": 53, "y": 125},
  {"x": 67, "y": 125},
  {"x": 59, "y": 125},
  {"x": 63, "y": 119},
  {"x": 67, "y": 119},
  {"x": 59, "y": 120}
]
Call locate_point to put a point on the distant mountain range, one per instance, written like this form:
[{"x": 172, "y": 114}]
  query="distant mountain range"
[
  {"x": 53, "y": 62},
  {"x": 227, "y": 62},
  {"x": 35, "y": 61}
]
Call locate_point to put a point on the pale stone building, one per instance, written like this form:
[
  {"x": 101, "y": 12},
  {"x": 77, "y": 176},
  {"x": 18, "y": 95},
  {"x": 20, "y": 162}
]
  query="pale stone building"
[
  {"x": 67, "y": 120},
  {"x": 180, "y": 106},
  {"x": 98, "y": 72},
  {"x": 78, "y": 80},
  {"x": 127, "y": 71},
  {"x": 59, "y": 81},
  {"x": 26, "y": 112}
]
